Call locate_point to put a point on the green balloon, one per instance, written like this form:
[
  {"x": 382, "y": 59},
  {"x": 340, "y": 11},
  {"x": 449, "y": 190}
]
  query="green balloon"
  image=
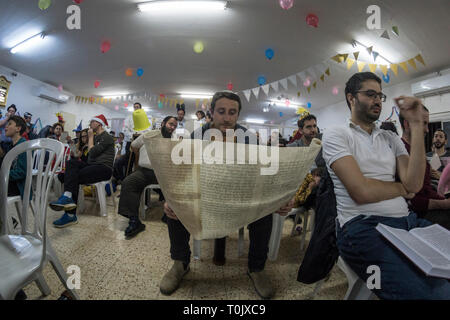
[{"x": 44, "y": 4}]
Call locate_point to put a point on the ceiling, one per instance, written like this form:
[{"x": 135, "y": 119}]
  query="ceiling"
[{"x": 235, "y": 41}]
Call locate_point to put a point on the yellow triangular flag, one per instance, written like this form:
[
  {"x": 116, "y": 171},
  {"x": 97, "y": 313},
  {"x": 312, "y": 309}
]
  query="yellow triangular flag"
[
  {"x": 327, "y": 72},
  {"x": 420, "y": 59},
  {"x": 315, "y": 85},
  {"x": 345, "y": 56},
  {"x": 98, "y": 100},
  {"x": 404, "y": 66},
  {"x": 394, "y": 68},
  {"x": 356, "y": 55},
  {"x": 298, "y": 94},
  {"x": 110, "y": 100},
  {"x": 384, "y": 69},
  {"x": 309, "y": 89},
  {"x": 167, "y": 100},
  {"x": 412, "y": 62},
  {"x": 372, "y": 67},
  {"x": 337, "y": 58},
  {"x": 196, "y": 103},
  {"x": 361, "y": 65},
  {"x": 350, "y": 63},
  {"x": 322, "y": 77},
  {"x": 181, "y": 101}
]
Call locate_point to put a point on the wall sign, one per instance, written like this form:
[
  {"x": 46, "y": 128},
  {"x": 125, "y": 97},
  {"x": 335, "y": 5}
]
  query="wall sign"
[{"x": 4, "y": 88}]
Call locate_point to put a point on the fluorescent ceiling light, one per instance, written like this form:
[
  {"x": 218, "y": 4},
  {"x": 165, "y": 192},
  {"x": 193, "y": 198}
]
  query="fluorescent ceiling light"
[
  {"x": 28, "y": 43},
  {"x": 258, "y": 121},
  {"x": 185, "y": 6},
  {"x": 189, "y": 95}
]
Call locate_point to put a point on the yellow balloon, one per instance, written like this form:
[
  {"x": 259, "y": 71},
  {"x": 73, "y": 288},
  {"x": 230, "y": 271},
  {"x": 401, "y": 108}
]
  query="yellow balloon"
[{"x": 198, "y": 47}]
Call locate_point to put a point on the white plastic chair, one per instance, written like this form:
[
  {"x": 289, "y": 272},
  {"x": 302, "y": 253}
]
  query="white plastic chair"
[
  {"x": 57, "y": 185},
  {"x": 357, "y": 288},
  {"x": 100, "y": 193},
  {"x": 198, "y": 245},
  {"x": 143, "y": 197},
  {"x": 23, "y": 257}
]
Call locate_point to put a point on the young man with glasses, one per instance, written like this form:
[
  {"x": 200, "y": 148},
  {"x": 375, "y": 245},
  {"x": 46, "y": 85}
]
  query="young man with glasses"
[
  {"x": 363, "y": 162},
  {"x": 225, "y": 109}
]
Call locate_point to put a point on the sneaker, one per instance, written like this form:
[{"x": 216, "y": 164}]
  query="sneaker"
[
  {"x": 65, "y": 221},
  {"x": 171, "y": 280},
  {"x": 263, "y": 286},
  {"x": 63, "y": 203},
  {"x": 135, "y": 226}
]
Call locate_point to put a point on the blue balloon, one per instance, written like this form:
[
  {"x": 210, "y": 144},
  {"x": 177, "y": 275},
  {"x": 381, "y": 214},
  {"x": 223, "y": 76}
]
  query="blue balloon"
[
  {"x": 309, "y": 105},
  {"x": 281, "y": 114},
  {"x": 140, "y": 72},
  {"x": 386, "y": 78},
  {"x": 160, "y": 105},
  {"x": 261, "y": 80},
  {"x": 270, "y": 53}
]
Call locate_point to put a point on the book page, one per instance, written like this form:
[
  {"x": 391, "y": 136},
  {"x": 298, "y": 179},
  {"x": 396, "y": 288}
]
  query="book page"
[
  {"x": 436, "y": 236},
  {"x": 212, "y": 199}
]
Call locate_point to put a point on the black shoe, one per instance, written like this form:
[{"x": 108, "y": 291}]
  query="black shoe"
[
  {"x": 21, "y": 295},
  {"x": 134, "y": 228}
]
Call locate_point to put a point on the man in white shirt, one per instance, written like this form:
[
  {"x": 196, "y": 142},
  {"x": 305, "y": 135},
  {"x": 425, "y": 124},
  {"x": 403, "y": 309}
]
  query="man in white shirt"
[
  {"x": 134, "y": 184},
  {"x": 363, "y": 162}
]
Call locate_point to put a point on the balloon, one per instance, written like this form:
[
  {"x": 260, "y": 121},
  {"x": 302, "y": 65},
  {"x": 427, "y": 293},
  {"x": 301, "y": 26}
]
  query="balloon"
[
  {"x": 281, "y": 114},
  {"x": 116, "y": 107},
  {"x": 307, "y": 83},
  {"x": 129, "y": 72},
  {"x": 230, "y": 86},
  {"x": 335, "y": 91},
  {"x": 288, "y": 103},
  {"x": 286, "y": 4},
  {"x": 270, "y": 53},
  {"x": 78, "y": 1},
  {"x": 60, "y": 88},
  {"x": 126, "y": 105},
  {"x": 198, "y": 47},
  {"x": 386, "y": 78},
  {"x": 140, "y": 72},
  {"x": 261, "y": 80},
  {"x": 160, "y": 105},
  {"x": 309, "y": 105},
  {"x": 44, "y": 4},
  {"x": 106, "y": 45},
  {"x": 96, "y": 84},
  {"x": 312, "y": 20}
]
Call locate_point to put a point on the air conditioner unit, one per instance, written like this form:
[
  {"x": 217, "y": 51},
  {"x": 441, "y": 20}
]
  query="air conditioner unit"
[
  {"x": 52, "y": 94},
  {"x": 431, "y": 87}
]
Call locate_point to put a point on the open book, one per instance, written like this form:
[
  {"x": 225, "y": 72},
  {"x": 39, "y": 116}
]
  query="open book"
[{"x": 428, "y": 248}]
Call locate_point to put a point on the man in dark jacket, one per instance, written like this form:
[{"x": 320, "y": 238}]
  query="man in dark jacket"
[{"x": 98, "y": 168}]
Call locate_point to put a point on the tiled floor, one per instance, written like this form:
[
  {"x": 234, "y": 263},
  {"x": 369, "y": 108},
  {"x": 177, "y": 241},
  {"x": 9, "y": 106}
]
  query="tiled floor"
[{"x": 115, "y": 268}]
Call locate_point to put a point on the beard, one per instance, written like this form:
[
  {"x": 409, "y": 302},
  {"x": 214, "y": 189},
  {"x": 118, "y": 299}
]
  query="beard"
[
  {"x": 363, "y": 112},
  {"x": 438, "y": 144},
  {"x": 166, "y": 133}
]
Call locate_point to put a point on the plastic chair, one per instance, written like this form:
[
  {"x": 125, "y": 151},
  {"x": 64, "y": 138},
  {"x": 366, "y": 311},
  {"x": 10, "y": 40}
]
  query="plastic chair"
[
  {"x": 57, "y": 185},
  {"x": 23, "y": 257},
  {"x": 143, "y": 197},
  {"x": 357, "y": 288},
  {"x": 198, "y": 245},
  {"x": 100, "y": 192}
]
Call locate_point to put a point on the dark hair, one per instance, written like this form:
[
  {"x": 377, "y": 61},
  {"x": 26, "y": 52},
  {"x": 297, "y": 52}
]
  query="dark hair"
[
  {"x": 301, "y": 122},
  {"x": 20, "y": 122},
  {"x": 201, "y": 113},
  {"x": 401, "y": 119},
  {"x": 181, "y": 109},
  {"x": 113, "y": 133},
  {"x": 80, "y": 144},
  {"x": 389, "y": 125},
  {"x": 163, "y": 126},
  {"x": 140, "y": 105},
  {"x": 121, "y": 133},
  {"x": 12, "y": 106},
  {"x": 354, "y": 84},
  {"x": 445, "y": 133},
  {"x": 208, "y": 115},
  {"x": 58, "y": 124},
  {"x": 225, "y": 94}
]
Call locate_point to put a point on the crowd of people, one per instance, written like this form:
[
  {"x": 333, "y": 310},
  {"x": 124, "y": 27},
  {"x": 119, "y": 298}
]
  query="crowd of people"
[{"x": 398, "y": 187}]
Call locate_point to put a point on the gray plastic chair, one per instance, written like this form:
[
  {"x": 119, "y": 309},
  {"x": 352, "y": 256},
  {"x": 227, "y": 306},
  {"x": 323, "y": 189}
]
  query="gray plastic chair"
[{"x": 23, "y": 256}]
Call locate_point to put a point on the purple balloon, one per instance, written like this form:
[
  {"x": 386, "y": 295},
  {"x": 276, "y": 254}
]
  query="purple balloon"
[{"x": 286, "y": 4}]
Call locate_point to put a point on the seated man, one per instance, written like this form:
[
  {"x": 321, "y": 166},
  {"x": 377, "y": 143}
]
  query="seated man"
[
  {"x": 225, "y": 109},
  {"x": 98, "y": 168},
  {"x": 363, "y": 161},
  {"x": 440, "y": 151},
  {"x": 427, "y": 203},
  {"x": 134, "y": 184}
]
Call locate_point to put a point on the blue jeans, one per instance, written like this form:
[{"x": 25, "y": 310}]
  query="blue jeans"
[{"x": 361, "y": 245}]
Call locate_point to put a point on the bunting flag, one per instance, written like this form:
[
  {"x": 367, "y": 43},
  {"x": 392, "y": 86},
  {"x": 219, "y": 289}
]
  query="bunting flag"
[
  {"x": 205, "y": 102},
  {"x": 350, "y": 63},
  {"x": 370, "y": 49},
  {"x": 256, "y": 92},
  {"x": 356, "y": 55},
  {"x": 274, "y": 85},
  {"x": 372, "y": 67},
  {"x": 385, "y": 35},
  {"x": 312, "y": 73},
  {"x": 293, "y": 80},
  {"x": 394, "y": 68},
  {"x": 327, "y": 72},
  {"x": 197, "y": 103},
  {"x": 247, "y": 94},
  {"x": 309, "y": 89},
  {"x": 384, "y": 69},
  {"x": 404, "y": 66},
  {"x": 299, "y": 94},
  {"x": 166, "y": 101},
  {"x": 420, "y": 59},
  {"x": 395, "y": 31},
  {"x": 302, "y": 76},
  {"x": 322, "y": 77},
  {"x": 361, "y": 65},
  {"x": 375, "y": 55},
  {"x": 337, "y": 58},
  {"x": 345, "y": 56},
  {"x": 284, "y": 83},
  {"x": 266, "y": 89},
  {"x": 314, "y": 85},
  {"x": 412, "y": 62}
]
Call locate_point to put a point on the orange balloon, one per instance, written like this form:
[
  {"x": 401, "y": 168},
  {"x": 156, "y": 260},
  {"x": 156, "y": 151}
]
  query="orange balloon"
[{"x": 129, "y": 72}]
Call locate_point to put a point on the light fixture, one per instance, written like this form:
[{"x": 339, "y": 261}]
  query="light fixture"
[
  {"x": 28, "y": 43},
  {"x": 159, "y": 6},
  {"x": 190, "y": 95},
  {"x": 257, "y": 121}
]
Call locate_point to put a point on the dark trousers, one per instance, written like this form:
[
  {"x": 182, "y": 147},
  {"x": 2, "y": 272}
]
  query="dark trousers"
[
  {"x": 441, "y": 217},
  {"x": 78, "y": 172},
  {"x": 13, "y": 189},
  {"x": 259, "y": 231},
  {"x": 121, "y": 165},
  {"x": 132, "y": 188}
]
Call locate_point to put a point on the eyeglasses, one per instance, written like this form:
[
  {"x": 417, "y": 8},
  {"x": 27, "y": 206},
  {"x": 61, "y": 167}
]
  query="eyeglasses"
[
  {"x": 373, "y": 94},
  {"x": 84, "y": 136}
]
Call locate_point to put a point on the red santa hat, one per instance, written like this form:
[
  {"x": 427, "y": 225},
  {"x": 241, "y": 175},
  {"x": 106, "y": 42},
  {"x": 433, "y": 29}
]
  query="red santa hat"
[{"x": 100, "y": 119}]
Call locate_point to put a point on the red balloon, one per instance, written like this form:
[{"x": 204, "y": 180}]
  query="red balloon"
[
  {"x": 106, "y": 45},
  {"x": 312, "y": 20},
  {"x": 97, "y": 84},
  {"x": 230, "y": 86},
  {"x": 126, "y": 105},
  {"x": 78, "y": 1}
]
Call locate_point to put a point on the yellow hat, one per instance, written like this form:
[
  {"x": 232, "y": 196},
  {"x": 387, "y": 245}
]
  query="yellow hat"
[{"x": 140, "y": 120}]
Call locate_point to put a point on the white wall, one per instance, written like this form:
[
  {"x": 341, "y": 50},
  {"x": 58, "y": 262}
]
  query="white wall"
[{"x": 21, "y": 94}]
